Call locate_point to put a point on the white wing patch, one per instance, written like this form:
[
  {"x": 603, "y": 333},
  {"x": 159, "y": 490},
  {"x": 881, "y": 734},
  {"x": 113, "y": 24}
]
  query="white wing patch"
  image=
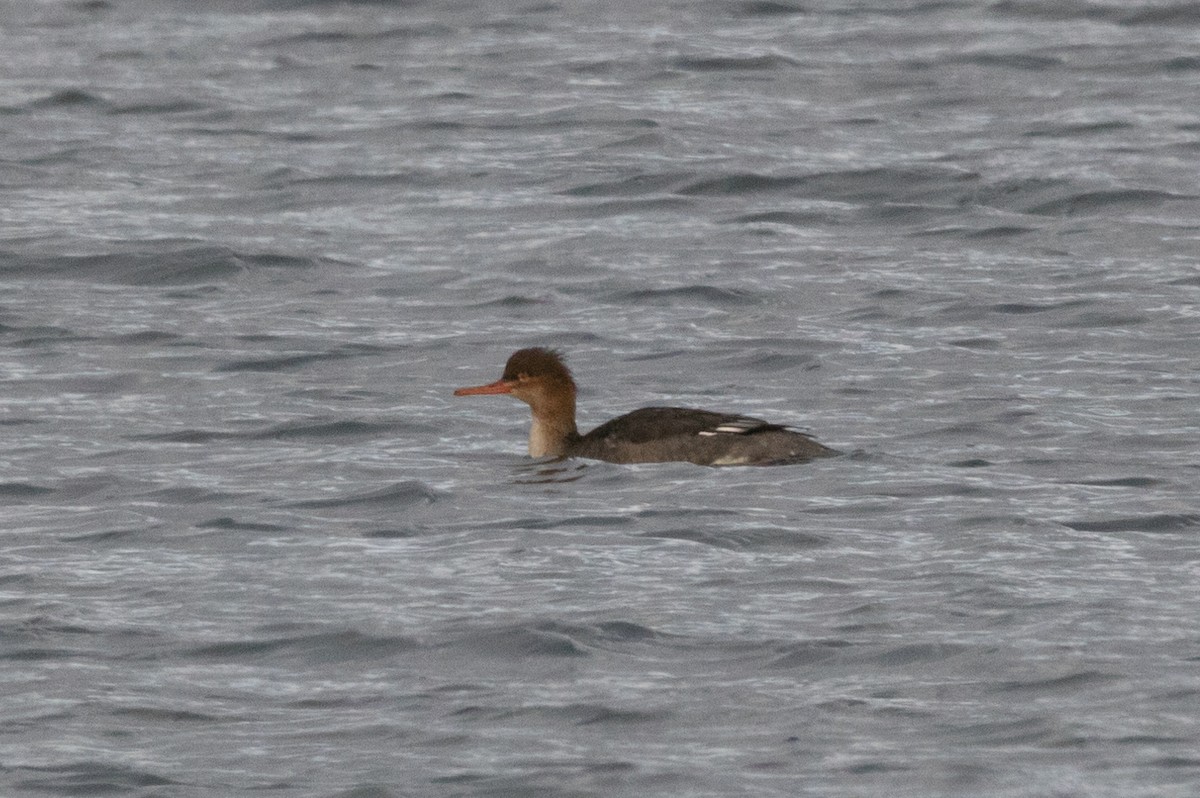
[{"x": 735, "y": 426}]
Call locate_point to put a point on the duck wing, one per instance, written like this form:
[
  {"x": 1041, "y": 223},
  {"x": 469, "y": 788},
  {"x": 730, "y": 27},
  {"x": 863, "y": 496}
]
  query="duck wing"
[{"x": 657, "y": 423}]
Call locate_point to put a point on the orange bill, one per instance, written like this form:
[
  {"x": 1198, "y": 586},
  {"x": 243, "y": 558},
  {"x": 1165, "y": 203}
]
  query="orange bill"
[{"x": 499, "y": 386}]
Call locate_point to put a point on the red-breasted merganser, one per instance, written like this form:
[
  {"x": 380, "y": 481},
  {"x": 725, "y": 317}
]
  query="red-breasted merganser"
[{"x": 539, "y": 378}]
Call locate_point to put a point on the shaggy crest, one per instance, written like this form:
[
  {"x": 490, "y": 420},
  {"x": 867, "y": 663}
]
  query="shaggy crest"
[{"x": 537, "y": 362}]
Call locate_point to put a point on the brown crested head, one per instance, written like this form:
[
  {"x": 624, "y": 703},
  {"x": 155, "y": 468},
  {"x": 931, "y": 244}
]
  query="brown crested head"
[
  {"x": 532, "y": 375},
  {"x": 537, "y": 362},
  {"x": 540, "y": 379}
]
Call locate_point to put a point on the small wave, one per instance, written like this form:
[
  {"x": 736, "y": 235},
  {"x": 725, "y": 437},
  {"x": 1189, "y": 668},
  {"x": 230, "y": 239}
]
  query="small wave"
[
  {"x": 631, "y": 186},
  {"x": 180, "y": 106},
  {"x": 1122, "y": 482},
  {"x": 145, "y": 337},
  {"x": 997, "y": 520},
  {"x": 914, "y": 653},
  {"x": 743, "y": 183},
  {"x": 452, "y": 96},
  {"x": 625, "y": 630},
  {"x": 1159, "y": 522},
  {"x": 1021, "y": 732},
  {"x": 1025, "y": 61},
  {"x": 748, "y": 539},
  {"x": 399, "y": 495},
  {"x": 506, "y": 301},
  {"x": 981, "y": 343},
  {"x": 880, "y": 187},
  {"x": 160, "y": 715},
  {"x": 400, "y": 33},
  {"x": 581, "y": 714},
  {"x": 1025, "y": 308},
  {"x": 542, "y": 522},
  {"x": 809, "y": 652},
  {"x": 108, "y": 536},
  {"x": 314, "y": 37},
  {"x": 640, "y": 142},
  {"x": 703, "y": 294},
  {"x": 286, "y": 362},
  {"x": 731, "y": 63},
  {"x": 1093, "y": 201},
  {"x": 233, "y": 525},
  {"x": 1176, "y": 14},
  {"x": 557, "y": 639},
  {"x": 16, "y": 491},
  {"x": 154, "y": 263},
  {"x": 1056, "y": 10},
  {"x": 843, "y": 652},
  {"x": 68, "y": 98},
  {"x": 1065, "y": 198},
  {"x": 904, "y": 212},
  {"x": 591, "y": 714},
  {"x": 768, "y": 8},
  {"x": 562, "y": 120},
  {"x": 519, "y": 642},
  {"x": 634, "y": 207},
  {"x": 182, "y": 436},
  {"x": 280, "y": 363},
  {"x": 122, "y": 383},
  {"x": 1021, "y": 193},
  {"x": 999, "y": 231},
  {"x": 1072, "y": 131},
  {"x": 320, "y": 647},
  {"x": 1104, "y": 320},
  {"x": 971, "y": 462},
  {"x": 1055, "y": 684},
  {"x": 1183, "y": 63},
  {"x": 897, "y": 185},
  {"x": 88, "y": 778},
  {"x": 772, "y": 361},
  {"x": 330, "y": 429},
  {"x": 786, "y": 218},
  {"x": 394, "y": 533},
  {"x": 187, "y": 495},
  {"x": 360, "y": 181}
]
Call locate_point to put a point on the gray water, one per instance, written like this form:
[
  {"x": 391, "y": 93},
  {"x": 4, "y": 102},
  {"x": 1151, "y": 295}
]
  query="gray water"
[{"x": 252, "y": 544}]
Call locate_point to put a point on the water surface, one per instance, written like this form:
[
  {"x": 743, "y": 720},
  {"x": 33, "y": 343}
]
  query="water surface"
[{"x": 252, "y": 543}]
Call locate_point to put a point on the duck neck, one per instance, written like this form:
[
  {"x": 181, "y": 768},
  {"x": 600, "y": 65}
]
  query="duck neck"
[{"x": 553, "y": 426}]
